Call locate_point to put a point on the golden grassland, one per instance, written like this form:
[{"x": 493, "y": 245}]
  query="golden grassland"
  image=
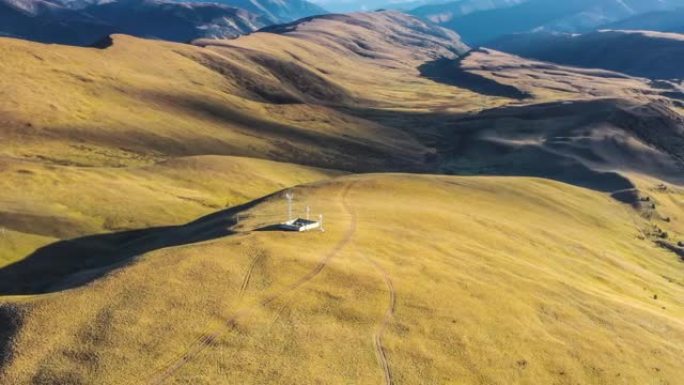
[
  {"x": 417, "y": 280},
  {"x": 42, "y": 203},
  {"x": 118, "y": 106},
  {"x": 496, "y": 281},
  {"x": 91, "y": 138}
]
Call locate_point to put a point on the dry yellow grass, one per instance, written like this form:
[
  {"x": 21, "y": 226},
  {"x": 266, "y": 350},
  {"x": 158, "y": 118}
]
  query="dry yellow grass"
[
  {"x": 119, "y": 107},
  {"x": 497, "y": 281},
  {"x": 418, "y": 279},
  {"x": 41, "y": 204}
]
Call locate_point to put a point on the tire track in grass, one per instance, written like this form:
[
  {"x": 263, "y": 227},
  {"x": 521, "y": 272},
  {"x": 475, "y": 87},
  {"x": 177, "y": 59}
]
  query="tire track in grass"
[
  {"x": 209, "y": 336},
  {"x": 248, "y": 275},
  {"x": 202, "y": 343},
  {"x": 380, "y": 351}
]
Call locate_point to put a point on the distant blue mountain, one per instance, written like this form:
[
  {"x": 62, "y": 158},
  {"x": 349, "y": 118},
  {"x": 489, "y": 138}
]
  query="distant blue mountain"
[
  {"x": 87, "y": 22},
  {"x": 479, "y": 27},
  {"x": 654, "y": 55},
  {"x": 662, "y": 21}
]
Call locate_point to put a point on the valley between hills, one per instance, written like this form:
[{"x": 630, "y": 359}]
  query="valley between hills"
[{"x": 490, "y": 219}]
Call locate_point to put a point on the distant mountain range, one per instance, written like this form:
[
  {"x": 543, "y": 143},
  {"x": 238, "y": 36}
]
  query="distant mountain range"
[
  {"x": 479, "y": 22},
  {"x": 448, "y": 11},
  {"x": 660, "y": 55},
  {"x": 277, "y": 11},
  {"x": 86, "y": 22},
  {"x": 662, "y": 21}
]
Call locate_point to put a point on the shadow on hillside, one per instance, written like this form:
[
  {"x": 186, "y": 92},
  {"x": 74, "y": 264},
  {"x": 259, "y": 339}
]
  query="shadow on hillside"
[
  {"x": 76, "y": 262},
  {"x": 293, "y": 143},
  {"x": 449, "y": 71},
  {"x": 549, "y": 140}
]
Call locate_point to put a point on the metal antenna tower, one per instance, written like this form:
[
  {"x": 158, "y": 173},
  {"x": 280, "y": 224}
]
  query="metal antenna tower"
[{"x": 289, "y": 195}]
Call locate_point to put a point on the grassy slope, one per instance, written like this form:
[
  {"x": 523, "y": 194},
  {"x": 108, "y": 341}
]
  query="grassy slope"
[
  {"x": 80, "y": 122},
  {"x": 497, "y": 281},
  {"x": 119, "y": 106},
  {"x": 515, "y": 280},
  {"x": 42, "y": 204}
]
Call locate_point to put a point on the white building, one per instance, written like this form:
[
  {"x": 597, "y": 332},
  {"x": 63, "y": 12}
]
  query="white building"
[{"x": 300, "y": 224}]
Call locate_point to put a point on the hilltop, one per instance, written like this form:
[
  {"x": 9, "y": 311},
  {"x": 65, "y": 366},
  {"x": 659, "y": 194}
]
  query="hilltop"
[{"x": 508, "y": 279}]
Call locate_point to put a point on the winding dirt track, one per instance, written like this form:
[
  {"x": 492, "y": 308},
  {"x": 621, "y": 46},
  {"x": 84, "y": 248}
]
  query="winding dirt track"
[
  {"x": 194, "y": 350},
  {"x": 380, "y": 351}
]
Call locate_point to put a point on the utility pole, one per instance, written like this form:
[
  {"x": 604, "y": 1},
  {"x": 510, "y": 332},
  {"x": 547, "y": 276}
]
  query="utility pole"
[
  {"x": 308, "y": 212},
  {"x": 320, "y": 220},
  {"x": 289, "y": 195}
]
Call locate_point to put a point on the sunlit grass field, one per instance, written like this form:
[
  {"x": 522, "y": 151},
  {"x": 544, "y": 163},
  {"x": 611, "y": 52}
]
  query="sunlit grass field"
[
  {"x": 42, "y": 204},
  {"x": 418, "y": 279},
  {"x": 496, "y": 280}
]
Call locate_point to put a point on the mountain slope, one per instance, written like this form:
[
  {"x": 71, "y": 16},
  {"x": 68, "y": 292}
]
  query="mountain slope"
[
  {"x": 548, "y": 15},
  {"x": 138, "y": 103},
  {"x": 278, "y": 11},
  {"x": 590, "y": 124},
  {"x": 663, "y": 21},
  {"x": 659, "y": 54},
  {"x": 173, "y": 21},
  {"x": 49, "y": 22},
  {"x": 85, "y": 23},
  {"x": 447, "y": 11}
]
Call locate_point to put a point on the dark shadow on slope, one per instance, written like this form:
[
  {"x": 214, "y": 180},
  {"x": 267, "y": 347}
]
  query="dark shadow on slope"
[
  {"x": 492, "y": 158},
  {"x": 450, "y": 71},
  {"x": 103, "y": 43},
  {"x": 295, "y": 144},
  {"x": 76, "y": 262},
  {"x": 673, "y": 248},
  {"x": 290, "y": 83},
  {"x": 578, "y": 143},
  {"x": 629, "y": 196}
]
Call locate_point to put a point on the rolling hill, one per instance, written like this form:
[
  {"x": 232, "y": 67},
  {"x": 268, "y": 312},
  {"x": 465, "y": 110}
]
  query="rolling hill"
[
  {"x": 362, "y": 99},
  {"x": 137, "y": 210},
  {"x": 658, "y": 58},
  {"x": 221, "y": 100}
]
